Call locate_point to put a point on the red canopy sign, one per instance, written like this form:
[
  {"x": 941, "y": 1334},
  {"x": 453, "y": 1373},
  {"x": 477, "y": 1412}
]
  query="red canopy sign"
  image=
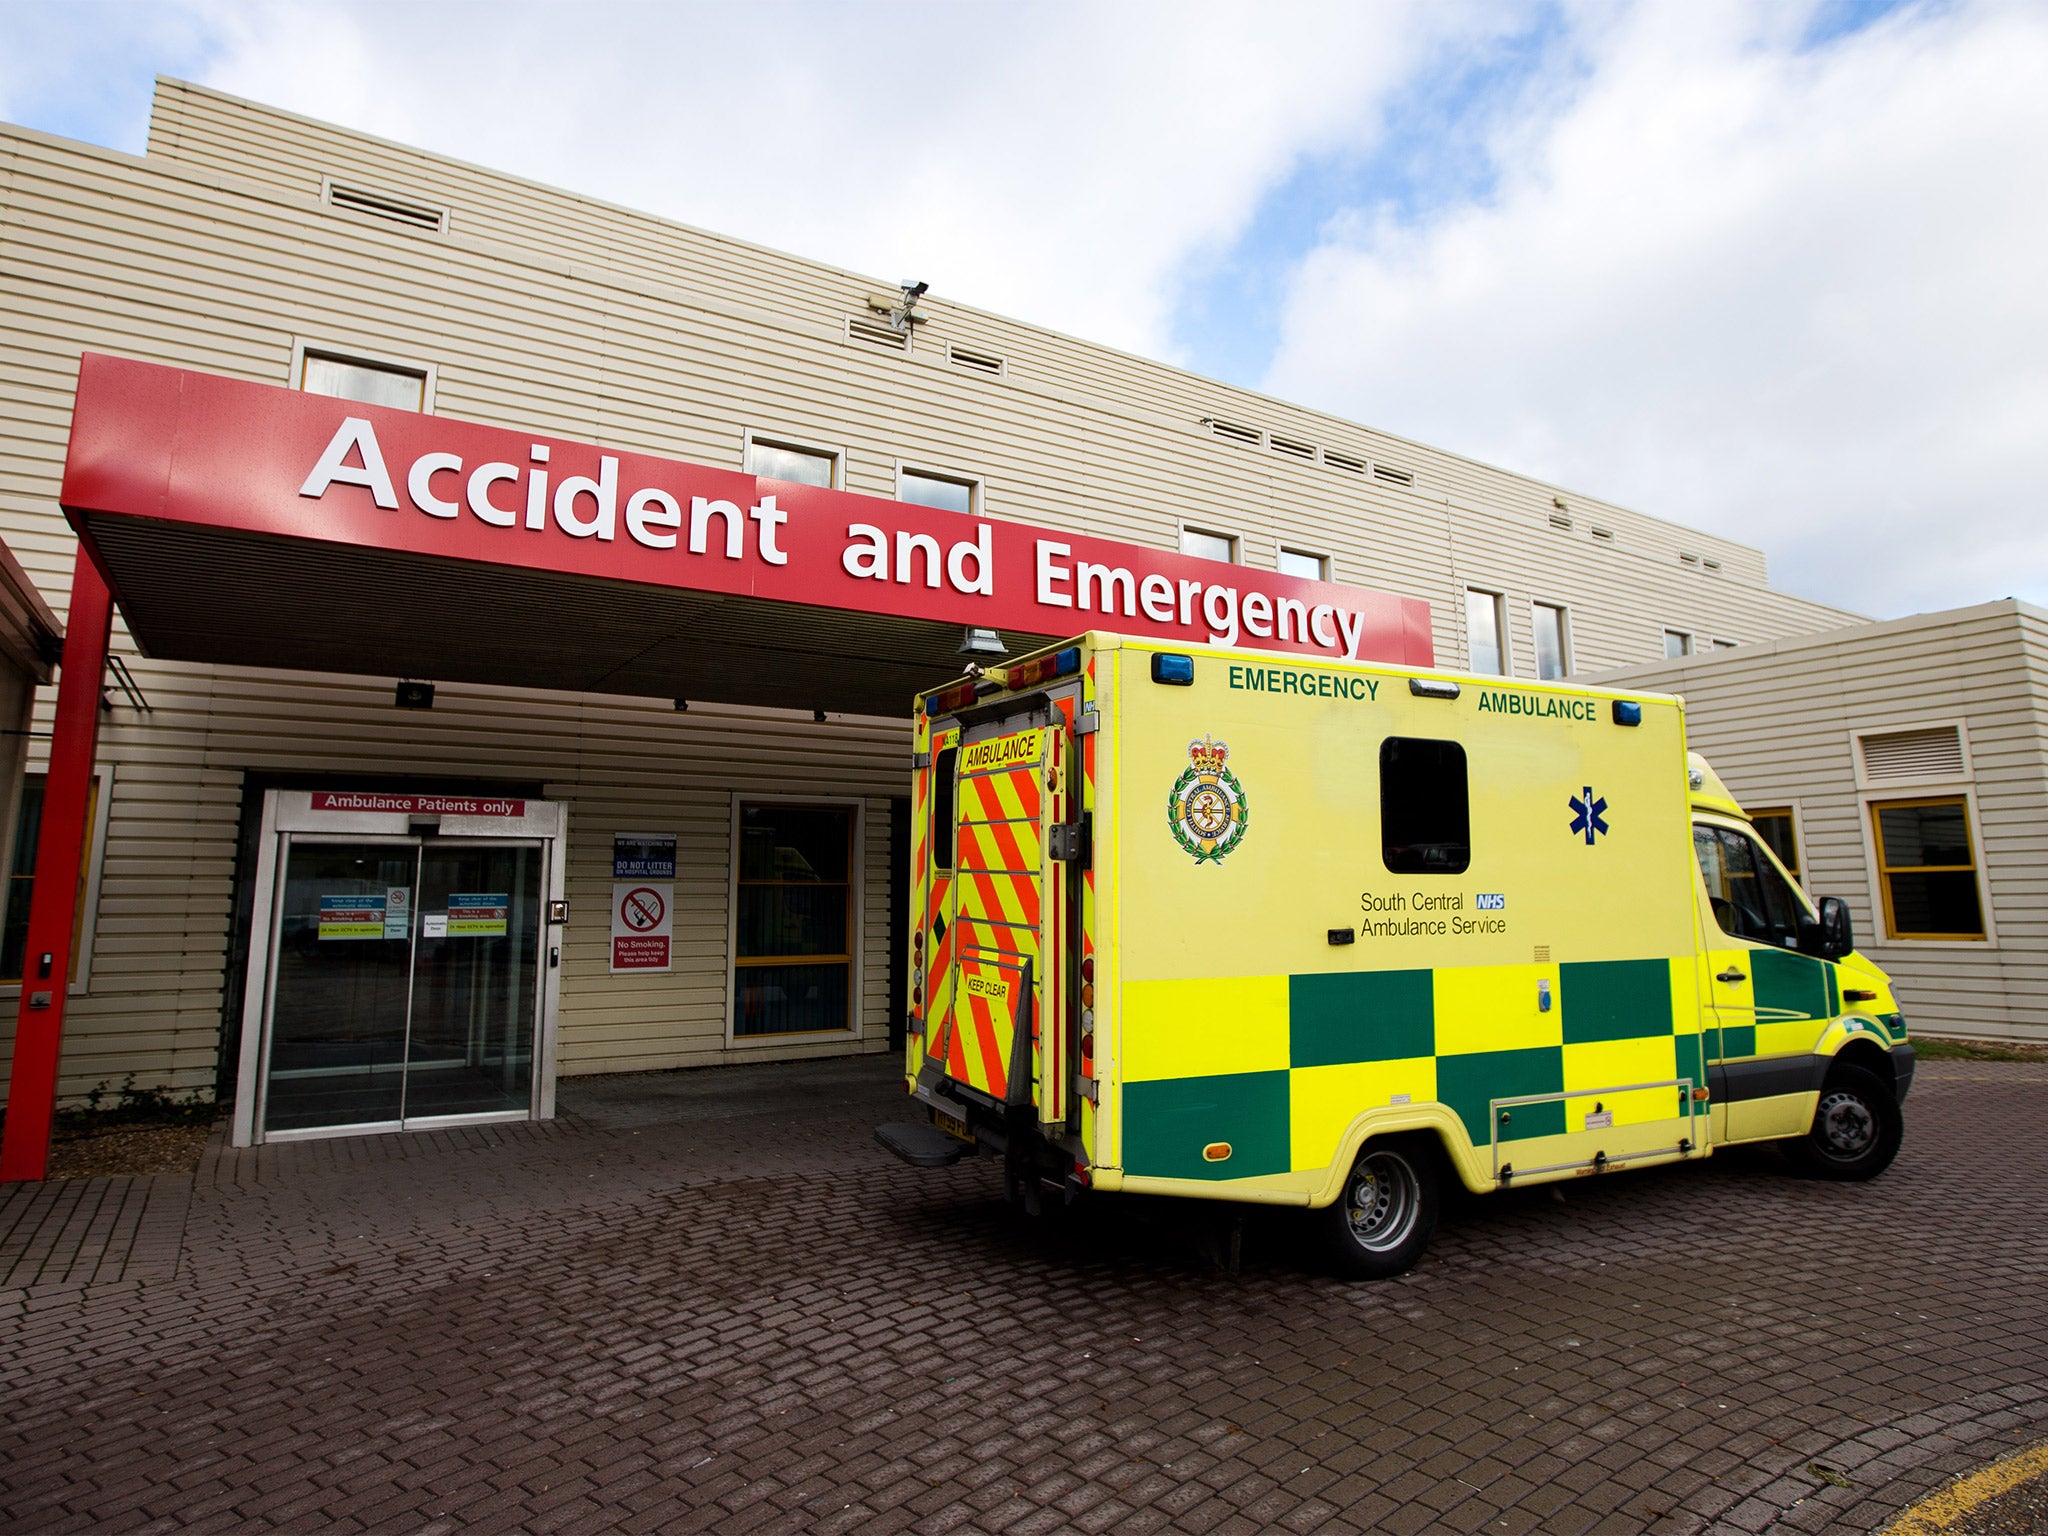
[{"x": 154, "y": 442}]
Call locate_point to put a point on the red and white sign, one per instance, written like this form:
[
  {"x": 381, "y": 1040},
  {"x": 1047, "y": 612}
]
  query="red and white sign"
[
  {"x": 194, "y": 448},
  {"x": 643, "y": 922},
  {"x": 415, "y": 805}
]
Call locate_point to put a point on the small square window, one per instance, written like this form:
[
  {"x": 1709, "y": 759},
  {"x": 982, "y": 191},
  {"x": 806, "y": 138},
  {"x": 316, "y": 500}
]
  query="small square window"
[
  {"x": 774, "y": 460},
  {"x": 1208, "y": 546},
  {"x": 1299, "y": 562},
  {"x": 1677, "y": 643},
  {"x": 1775, "y": 826},
  {"x": 1425, "y": 810},
  {"x": 351, "y": 378},
  {"x": 925, "y": 489}
]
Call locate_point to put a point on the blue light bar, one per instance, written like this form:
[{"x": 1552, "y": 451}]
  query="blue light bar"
[
  {"x": 1068, "y": 662},
  {"x": 1627, "y": 712},
  {"x": 1169, "y": 668}
]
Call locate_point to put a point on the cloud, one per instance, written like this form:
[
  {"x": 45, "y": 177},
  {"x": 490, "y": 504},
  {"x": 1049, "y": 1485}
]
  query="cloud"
[
  {"x": 1788, "y": 293},
  {"x": 1058, "y": 162}
]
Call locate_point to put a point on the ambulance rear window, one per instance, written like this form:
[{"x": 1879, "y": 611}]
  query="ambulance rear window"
[
  {"x": 1425, "y": 813},
  {"x": 942, "y": 808}
]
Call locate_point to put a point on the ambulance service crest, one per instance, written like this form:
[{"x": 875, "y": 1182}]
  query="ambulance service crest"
[{"x": 1206, "y": 809}]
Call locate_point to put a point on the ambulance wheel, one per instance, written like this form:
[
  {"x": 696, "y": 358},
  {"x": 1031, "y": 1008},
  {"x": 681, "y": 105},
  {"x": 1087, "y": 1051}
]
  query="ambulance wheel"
[
  {"x": 1856, "y": 1128},
  {"x": 1381, "y": 1222}
]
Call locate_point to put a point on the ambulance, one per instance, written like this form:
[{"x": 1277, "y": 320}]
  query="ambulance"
[{"x": 1246, "y": 927}]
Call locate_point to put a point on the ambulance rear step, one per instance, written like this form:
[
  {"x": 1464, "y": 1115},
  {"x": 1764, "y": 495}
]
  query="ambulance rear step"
[{"x": 921, "y": 1146}]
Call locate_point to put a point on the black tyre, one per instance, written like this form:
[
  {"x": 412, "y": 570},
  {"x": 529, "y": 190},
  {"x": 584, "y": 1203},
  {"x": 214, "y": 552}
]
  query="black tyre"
[
  {"x": 1856, "y": 1128},
  {"x": 1381, "y": 1222}
]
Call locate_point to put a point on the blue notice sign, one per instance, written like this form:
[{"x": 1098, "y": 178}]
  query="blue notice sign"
[{"x": 643, "y": 855}]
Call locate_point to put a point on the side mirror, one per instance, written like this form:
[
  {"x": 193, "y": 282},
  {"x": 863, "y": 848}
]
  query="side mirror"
[{"x": 1837, "y": 932}]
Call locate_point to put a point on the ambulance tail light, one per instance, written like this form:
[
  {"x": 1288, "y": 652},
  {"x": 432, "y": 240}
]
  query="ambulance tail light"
[
  {"x": 947, "y": 700},
  {"x": 1088, "y": 968}
]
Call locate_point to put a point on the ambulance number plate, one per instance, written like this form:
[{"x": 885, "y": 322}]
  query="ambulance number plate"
[{"x": 952, "y": 1127}]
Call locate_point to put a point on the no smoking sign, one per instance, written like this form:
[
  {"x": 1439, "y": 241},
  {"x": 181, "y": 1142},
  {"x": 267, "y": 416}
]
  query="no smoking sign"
[{"x": 643, "y": 917}]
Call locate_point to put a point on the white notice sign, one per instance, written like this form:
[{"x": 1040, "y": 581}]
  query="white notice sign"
[{"x": 643, "y": 920}]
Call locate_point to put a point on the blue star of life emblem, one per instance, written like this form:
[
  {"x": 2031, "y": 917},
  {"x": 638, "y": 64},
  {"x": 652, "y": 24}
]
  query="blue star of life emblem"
[{"x": 1588, "y": 817}]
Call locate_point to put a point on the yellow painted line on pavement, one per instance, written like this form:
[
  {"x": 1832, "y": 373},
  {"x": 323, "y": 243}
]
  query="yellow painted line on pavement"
[{"x": 1938, "y": 1511}]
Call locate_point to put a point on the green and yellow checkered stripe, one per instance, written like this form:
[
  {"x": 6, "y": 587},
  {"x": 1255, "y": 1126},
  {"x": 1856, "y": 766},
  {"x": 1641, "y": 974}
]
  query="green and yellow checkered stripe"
[{"x": 1280, "y": 1066}]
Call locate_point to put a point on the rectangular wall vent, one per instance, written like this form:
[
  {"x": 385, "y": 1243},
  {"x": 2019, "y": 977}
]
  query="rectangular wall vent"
[
  {"x": 382, "y": 205},
  {"x": 1291, "y": 448},
  {"x": 1712, "y": 565},
  {"x": 1685, "y": 559},
  {"x": 1560, "y": 519},
  {"x": 876, "y": 333},
  {"x": 1391, "y": 475},
  {"x": 1604, "y": 535},
  {"x": 980, "y": 362},
  {"x": 1234, "y": 432},
  {"x": 1344, "y": 461},
  {"x": 1936, "y": 753}
]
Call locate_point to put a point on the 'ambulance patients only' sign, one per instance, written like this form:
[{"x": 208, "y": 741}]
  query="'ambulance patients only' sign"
[{"x": 199, "y": 449}]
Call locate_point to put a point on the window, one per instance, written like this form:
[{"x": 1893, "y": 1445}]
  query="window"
[
  {"x": 355, "y": 378},
  {"x": 930, "y": 490},
  {"x": 793, "y": 920},
  {"x": 1485, "y": 627},
  {"x": 21, "y": 876},
  {"x": 1775, "y": 827},
  {"x": 1297, "y": 562},
  {"x": 1553, "y": 641},
  {"x": 1677, "y": 643},
  {"x": 1425, "y": 812},
  {"x": 1749, "y": 898},
  {"x": 790, "y": 461},
  {"x": 1927, "y": 870},
  {"x": 1208, "y": 546},
  {"x": 944, "y": 786}
]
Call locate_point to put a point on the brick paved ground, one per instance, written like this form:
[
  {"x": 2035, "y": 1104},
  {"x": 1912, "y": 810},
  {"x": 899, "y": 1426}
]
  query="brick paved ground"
[{"x": 711, "y": 1302}]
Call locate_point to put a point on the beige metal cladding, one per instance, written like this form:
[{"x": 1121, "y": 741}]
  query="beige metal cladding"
[
  {"x": 1936, "y": 706},
  {"x": 225, "y": 249}
]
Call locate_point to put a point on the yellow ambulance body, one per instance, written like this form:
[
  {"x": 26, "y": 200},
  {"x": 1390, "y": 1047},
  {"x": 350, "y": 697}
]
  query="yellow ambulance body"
[{"x": 1247, "y": 927}]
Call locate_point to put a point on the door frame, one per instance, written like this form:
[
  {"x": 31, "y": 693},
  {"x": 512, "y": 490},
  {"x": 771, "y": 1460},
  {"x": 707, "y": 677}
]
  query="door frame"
[{"x": 289, "y": 812}]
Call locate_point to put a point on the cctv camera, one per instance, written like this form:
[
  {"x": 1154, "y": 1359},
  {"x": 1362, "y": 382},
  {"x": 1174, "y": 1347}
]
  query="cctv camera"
[{"x": 916, "y": 290}]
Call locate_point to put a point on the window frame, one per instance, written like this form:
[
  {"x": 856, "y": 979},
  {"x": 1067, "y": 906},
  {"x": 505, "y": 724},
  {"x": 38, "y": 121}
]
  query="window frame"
[
  {"x": 1688, "y": 649},
  {"x": 856, "y": 928},
  {"x": 80, "y": 984},
  {"x": 1501, "y": 630},
  {"x": 1868, "y": 806},
  {"x": 791, "y": 443},
  {"x": 1790, "y": 811},
  {"x": 1564, "y": 637},
  {"x": 1327, "y": 563},
  {"x": 312, "y": 346},
  {"x": 1236, "y": 542},
  {"x": 976, "y": 487}
]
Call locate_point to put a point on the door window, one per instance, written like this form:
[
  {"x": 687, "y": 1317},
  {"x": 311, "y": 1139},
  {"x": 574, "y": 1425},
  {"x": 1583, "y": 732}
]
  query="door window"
[{"x": 1750, "y": 899}]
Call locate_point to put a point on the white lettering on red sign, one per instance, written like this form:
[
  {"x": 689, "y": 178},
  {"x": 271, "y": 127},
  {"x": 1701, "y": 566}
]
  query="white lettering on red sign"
[
  {"x": 418, "y": 805},
  {"x": 587, "y": 507}
]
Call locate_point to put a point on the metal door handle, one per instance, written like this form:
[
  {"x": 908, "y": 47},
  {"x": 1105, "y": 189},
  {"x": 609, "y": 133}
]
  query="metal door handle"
[{"x": 1731, "y": 974}]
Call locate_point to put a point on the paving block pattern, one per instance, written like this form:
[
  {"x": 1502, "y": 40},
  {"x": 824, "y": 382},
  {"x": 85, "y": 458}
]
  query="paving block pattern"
[{"x": 710, "y": 1302}]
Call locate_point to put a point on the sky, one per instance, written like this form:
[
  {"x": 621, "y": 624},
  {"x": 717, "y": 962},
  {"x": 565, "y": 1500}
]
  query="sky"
[{"x": 1769, "y": 268}]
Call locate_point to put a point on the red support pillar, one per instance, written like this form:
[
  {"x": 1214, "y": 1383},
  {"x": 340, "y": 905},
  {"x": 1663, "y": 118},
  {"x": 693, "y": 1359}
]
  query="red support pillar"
[{"x": 53, "y": 909}]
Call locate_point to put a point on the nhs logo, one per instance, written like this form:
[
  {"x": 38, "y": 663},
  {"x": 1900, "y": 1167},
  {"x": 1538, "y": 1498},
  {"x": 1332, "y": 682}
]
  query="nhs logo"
[{"x": 1491, "y": 903}]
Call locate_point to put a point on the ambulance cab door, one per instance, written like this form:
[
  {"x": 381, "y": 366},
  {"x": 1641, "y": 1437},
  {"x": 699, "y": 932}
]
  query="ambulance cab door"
[{"x": 1769, "y": 1003}]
